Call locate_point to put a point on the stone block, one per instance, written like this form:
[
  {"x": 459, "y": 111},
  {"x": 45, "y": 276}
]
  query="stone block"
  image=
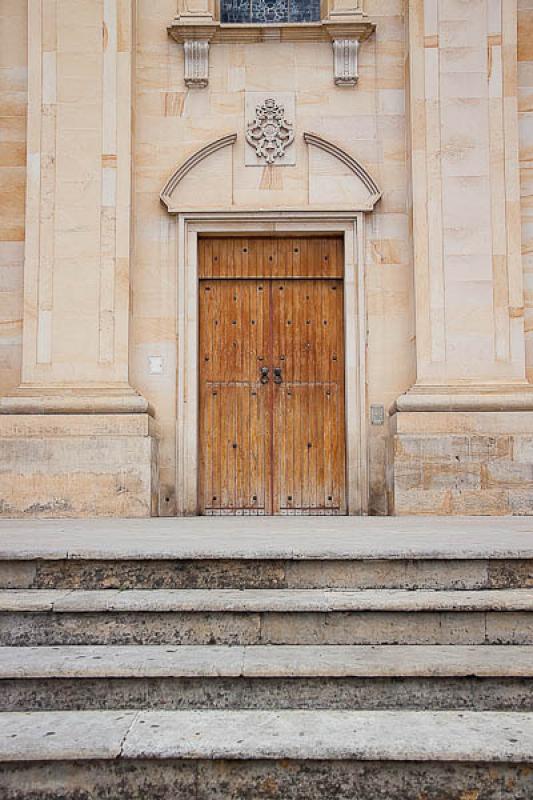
[
  {"x": 485, "y": 448},
  {"x": 521, "y": 501},
  {"x": 455, "y": 476},
  {"x": 78, "y": 465},
  {"x": 421, "y": 501},
  {"x": 523, "y": 449},
  {"x": 407, "y": 474},
  {"x": 267, "y": 778},
  {"x": 476, "y": 473},
  {"x": 507, "y": 474},
  {"x": 515, "y": 628},
  {"x": 18, "y": 629},
  {"x": 371, "y": 627},
  {"x": 494, "y": 503}
]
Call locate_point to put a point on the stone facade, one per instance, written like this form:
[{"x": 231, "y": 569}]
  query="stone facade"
[{"x": 97, "y": 112}]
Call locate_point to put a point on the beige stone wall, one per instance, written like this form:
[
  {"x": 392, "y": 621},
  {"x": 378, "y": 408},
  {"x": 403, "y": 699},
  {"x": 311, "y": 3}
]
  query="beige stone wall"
[
  {"x": 108, "y": 120},
  {"x": 368, "y": 121},
  {"x": 13, "y": 101},
  {"x": 525, "y": 106},
  {"x": 75, "y": 439},
  {"x": 468, "y": 462}
]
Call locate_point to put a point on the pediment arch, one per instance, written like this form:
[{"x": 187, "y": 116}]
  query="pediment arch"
[{"x": 212, "y": 178}]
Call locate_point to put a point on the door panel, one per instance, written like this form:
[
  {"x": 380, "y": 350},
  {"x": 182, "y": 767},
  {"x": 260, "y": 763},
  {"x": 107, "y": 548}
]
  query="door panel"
[
  {"x": 234, "y": 414},
  {"x": 266, "y": 257},
  {"x": 309, "y": 458},
  {"x": 273, "y": 447}
]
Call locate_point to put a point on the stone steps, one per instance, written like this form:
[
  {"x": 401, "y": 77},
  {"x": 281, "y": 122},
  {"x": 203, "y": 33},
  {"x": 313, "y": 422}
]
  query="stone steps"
[
  {"x": 266, "y": 659},
  {"x": 245, "y": 573},
  {"x": 239, "y": 553},
  {"x": 243, "y": 735},
  {"x": 264, "y": 600},
  {"x": 293, "y": 661},
  {"x": 261, "y": 616},
  {"x": 273, "y": 677},
  {"x": 244, "y": 754}
]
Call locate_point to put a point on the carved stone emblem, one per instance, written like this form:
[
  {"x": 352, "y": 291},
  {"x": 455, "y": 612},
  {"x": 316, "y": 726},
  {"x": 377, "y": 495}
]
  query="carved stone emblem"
[{"x": 269, "y": 133}]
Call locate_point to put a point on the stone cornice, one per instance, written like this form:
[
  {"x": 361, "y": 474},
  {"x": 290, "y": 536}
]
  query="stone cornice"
[
  {"x": 493, "y": 397},
  {"x": 185, "y": 29},
  {"x": 73, "y": 400}
]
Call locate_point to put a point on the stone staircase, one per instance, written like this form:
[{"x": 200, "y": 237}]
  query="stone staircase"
[{"x": 256, "y": 659}]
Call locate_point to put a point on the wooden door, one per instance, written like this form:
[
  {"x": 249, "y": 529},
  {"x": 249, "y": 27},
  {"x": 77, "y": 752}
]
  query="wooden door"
[
  {"x": 308, "y": 414},
  {"x": 272, "y": 433}
]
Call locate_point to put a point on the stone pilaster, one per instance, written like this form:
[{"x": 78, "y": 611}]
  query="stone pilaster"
[
  {"x": 76, "y": 281},
  {"x": 467, "y": 264}
]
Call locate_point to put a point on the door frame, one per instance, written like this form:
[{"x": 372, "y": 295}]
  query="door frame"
[{"x": 349, "y": 225}]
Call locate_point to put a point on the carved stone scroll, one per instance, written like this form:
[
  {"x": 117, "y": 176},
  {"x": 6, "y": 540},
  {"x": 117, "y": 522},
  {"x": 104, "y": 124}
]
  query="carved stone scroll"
[
  {"x": 345, "y": 58},
  {"x": 196, "y": 63}
]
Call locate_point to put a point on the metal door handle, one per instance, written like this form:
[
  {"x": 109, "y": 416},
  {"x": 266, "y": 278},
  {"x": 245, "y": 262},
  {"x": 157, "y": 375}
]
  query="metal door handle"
[
  {"x": 264, "y": 375},
  {"x": 277, "y": 375}
]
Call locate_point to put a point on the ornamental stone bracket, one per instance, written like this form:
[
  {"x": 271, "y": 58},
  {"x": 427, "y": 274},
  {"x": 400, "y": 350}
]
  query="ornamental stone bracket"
[
  {"x": 345, "y": 61},
  {"x": 346, "y": 33},
  {"x": 196, "y": 53}
]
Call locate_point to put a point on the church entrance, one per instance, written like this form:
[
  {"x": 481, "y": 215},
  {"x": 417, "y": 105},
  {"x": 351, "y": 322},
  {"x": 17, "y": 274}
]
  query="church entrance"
[{"x": 271, "y": 353}]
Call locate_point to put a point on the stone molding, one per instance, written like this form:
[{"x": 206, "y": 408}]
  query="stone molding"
[
  {"x": 349, "y": 224},
  {"x": 191, "y": 162},
  {"x": 311, "y": 139},
  {"x": 352, "y": 164},
  {"x": 512, "y": 397},
  {"x": 73, "y": 400}
]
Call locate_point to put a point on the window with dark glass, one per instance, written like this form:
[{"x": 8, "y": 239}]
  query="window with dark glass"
[{"x": 265, "y": 11}]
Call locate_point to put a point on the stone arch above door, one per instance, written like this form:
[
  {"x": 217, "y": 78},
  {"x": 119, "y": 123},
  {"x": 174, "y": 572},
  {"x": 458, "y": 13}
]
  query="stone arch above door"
[{"x": 325, "y": 177}]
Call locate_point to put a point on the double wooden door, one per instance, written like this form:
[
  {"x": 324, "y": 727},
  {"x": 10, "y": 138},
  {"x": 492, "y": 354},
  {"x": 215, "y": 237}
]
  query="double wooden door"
[{"x": 272, "y": 438}]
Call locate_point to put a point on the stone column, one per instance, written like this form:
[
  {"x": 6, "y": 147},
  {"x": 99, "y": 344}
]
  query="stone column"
[
  {"x": 75, "y": 435},
  {"x": 462, "y": 441}
]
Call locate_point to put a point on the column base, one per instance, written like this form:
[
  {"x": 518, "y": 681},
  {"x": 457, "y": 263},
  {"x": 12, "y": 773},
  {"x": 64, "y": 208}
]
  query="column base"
[
  {"x": 77, "y": 453},
  {"x": 462, "y": 452}
]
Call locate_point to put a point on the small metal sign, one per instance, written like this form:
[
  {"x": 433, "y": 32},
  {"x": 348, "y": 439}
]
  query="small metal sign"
[{"x": 377, "y": 415}]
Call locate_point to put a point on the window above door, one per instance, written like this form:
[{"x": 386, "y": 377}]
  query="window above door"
[{"x": 269, "y": 11}]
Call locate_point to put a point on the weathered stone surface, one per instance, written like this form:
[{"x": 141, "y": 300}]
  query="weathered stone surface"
[
  {"x": 245, "y": 574},
  {"x": 374, "y": 538},
  {"x": 148, "y": 574},
  {"x": 264, "y": 661},
  {"x": 509, "y": 629},
  {"x": 469, "y": 475},
  {"x": 506, "y": 573},
  {"x": 243, "y": 780},
  {"x": 375, "y": 628},
  {"x": 291, "y": 601},
  {"x": 72, "y": 475},
  {"x": 129, "y": 628},
  {"x": 56, "y": 737},
  {"x": 30, "y": 600},
  {"x": 387, "y": 735},
  {"x": 307, "y": 735},
  {"x": 111, "y": 662},
  {"x": 414, "y": 573},
  {"x": 325, "y": 627},
  {"x": 438, "y": 694}
]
